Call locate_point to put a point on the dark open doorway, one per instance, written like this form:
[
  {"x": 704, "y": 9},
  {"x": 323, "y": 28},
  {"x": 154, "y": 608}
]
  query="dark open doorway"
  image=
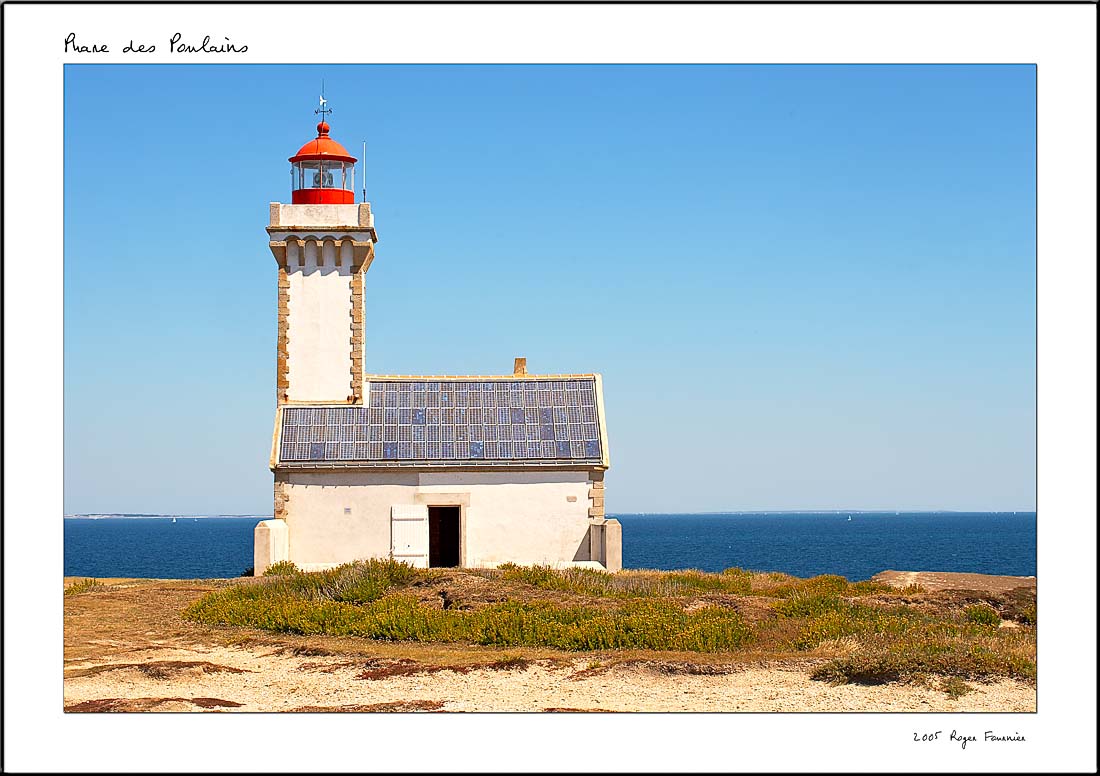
[{"x": 443, "y": 523}]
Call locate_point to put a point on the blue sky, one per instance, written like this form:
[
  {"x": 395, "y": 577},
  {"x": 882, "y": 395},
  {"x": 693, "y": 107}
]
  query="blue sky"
[{"x": 806, "y": 286}]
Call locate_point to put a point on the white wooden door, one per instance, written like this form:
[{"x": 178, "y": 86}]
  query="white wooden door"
[{"x": 409, "y": 534}]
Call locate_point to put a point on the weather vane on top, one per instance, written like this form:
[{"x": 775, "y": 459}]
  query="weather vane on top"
[{"x": 323, "y": 109}]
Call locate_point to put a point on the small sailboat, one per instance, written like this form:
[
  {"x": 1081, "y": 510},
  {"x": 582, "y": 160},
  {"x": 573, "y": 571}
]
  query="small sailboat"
[
  {"x": 173, "y": 519},
  {"x": 849, "y": 518}
]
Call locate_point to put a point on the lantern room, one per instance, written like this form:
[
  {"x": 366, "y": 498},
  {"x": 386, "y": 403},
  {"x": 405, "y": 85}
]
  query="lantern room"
[{"x": 322, "y": 172}]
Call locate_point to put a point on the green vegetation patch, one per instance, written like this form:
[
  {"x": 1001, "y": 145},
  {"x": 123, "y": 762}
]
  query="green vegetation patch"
[
  {"x": 672, "y": 584},
  {"x": 982, "y": 614},
  {"x": 866, "y": 631},
  {"x": 359, "y": 582},
  {"x": 399, "y": 617},
  {"x": 361, "y": 599},
  {"x": 955, "y": 687},
  {"x": 900, "y": 643},
  {"x": 624, "y": 584},
  {"x": 921, "y": 655},
  {"x": 282, "y": 568},
  {"x": 827, "y": 617},
  {"x": 1019, "y": 605},
  {"x": 83, "y": 586}
]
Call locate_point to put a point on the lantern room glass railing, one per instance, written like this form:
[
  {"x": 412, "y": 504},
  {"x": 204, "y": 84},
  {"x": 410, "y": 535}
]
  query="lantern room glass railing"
[{"x": 322, "y": 175}]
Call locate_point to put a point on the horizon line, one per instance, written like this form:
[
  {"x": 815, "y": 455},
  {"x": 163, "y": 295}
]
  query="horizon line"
[{"x": 137, "y": 515}]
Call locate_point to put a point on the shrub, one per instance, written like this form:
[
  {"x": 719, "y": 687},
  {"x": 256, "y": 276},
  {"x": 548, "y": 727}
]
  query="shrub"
[
  {"x": 1019, "y": 605},
  {"x": 626, "y": 584},
  {"x": 280, "y": 569},
  {"x": 927, "y": 653},
  {"x": 358, "y": 582},
  {"x": 635, "y": 625},
  {"x": 955, "y": 687},
  {"x": 82, "y": 586},
  {"x": 982, "y": 614},
  {"x": 878, "y": 669},
  {"x": 820, "y": 585},
  {"x": 829, "y": 617},
  {"x": 808, "y": 604}
]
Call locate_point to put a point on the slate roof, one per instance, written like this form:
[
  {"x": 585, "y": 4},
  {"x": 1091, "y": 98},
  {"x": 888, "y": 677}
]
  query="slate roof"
[{"x": 451, "y": 423}]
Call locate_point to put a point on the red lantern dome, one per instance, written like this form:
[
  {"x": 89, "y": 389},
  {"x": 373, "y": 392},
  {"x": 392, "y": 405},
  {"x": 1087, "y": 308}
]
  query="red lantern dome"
[{"x": 323, "y": 172}]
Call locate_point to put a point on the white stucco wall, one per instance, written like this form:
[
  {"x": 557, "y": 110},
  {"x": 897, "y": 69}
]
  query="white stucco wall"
[
  {"x": 318, "y": 324},
  {"x": 317, "y": 215},
  {"x": 320, "y": 531},
  {"x": 319, "y": 350},
  {"x": 522, "y": 517}
]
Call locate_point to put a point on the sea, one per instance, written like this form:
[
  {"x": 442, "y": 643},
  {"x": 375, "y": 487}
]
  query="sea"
[{"x": 855, "y": 545}]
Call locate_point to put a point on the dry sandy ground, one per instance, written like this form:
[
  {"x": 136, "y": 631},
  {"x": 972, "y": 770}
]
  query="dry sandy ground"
[
  {"x": 127, "y": 649},
  {"x": 951, "y": 580},
  {"x": 281, "y": 682}
]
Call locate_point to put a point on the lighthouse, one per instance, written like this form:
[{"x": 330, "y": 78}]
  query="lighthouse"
[{"x": 431, "y": 470}]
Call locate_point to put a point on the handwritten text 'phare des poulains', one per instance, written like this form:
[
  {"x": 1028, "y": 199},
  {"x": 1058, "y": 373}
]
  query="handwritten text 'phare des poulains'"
[{"x": 176, "y": 45}]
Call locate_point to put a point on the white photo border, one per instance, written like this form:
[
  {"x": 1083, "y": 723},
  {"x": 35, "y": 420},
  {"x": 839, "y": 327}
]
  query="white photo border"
[{"x": 1059, "y": 39}]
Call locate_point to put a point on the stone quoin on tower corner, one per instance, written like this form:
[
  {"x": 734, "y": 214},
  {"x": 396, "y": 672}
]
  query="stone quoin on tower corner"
[{"x": 436, "y": 471}]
